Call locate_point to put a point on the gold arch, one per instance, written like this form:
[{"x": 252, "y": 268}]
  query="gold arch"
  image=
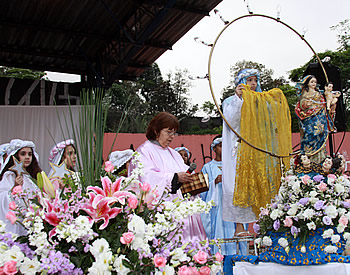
[{"x": 210, "y": 81}]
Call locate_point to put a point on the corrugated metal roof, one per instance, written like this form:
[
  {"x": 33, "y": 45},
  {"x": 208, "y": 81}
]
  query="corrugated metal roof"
[{"x": 113, "y": 39}]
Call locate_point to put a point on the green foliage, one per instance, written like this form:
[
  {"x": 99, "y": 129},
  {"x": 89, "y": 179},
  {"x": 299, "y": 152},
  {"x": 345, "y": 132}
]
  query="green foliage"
[
  {"x": 343, "y": 28},
  {"x": 289, "y": 92},
  {"x": 147, "y": 96},
  {"x": 20, "y": 73},
  {"x": 210, "y": 108}
]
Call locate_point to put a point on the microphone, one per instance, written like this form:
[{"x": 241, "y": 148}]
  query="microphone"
[{"x": 192, "y": 167}]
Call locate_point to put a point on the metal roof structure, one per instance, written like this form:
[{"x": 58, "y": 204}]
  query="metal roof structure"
[{"x": 102, "y": 40}]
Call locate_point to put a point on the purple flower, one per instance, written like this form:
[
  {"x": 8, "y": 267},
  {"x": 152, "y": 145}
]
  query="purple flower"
[
  {"x": 326, "y": 220},
  {"x": 276, "y": 225},
  {"x": 304, "y": 201},
  {"x": 318, "y": 178},
  {"x": 256, "y": 228},
  {"x": 86, "y": 248},
  {"x": 73, "y": 249},
  {"x": 346, "y": 204},
  {"x": 294, "y": 230},
  {"x": 274, "y": 205},
  {"x": 319, "y": 205}
]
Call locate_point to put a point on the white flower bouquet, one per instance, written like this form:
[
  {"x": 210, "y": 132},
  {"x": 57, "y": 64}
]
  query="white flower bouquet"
[
  {"x": 305, "y": 205},
  {"x": 118, "y": 227}
]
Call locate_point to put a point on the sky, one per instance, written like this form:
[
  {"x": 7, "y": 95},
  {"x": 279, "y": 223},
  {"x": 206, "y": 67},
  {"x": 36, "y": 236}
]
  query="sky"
[{"x": 254, "y": 38}]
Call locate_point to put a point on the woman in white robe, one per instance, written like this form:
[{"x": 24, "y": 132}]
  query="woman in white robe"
[{"x": 232, "y": 111}]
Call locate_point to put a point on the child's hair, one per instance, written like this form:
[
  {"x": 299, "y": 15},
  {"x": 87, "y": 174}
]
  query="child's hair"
[
  {"x": 33, "y": 169},
  {"x": 63, "y": 155}
]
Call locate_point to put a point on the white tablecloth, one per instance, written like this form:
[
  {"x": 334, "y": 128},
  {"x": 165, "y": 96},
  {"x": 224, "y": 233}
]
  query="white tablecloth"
[{"x": 244, "y": 268}]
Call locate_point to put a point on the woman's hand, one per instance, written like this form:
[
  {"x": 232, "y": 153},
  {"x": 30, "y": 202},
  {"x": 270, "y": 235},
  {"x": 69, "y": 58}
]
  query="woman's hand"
[
  {"x": 18, "y": 181},
  {"x": 239, "y": 90},
  {"x": 184, "y": 177}
]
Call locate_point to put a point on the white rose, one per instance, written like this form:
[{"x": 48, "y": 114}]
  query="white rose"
[
  {"x": 267, "y": 241},
  {"x": 296, "y": 187},
  {"x": 339, "y": 188},
  {"x": 257, "y": 241},
  {"x": 346, "y": 236},
  {"x": 341, "y": 212},
  {"x": 311, "y": 226},
  {"x": 283, "y": 242},
  {"x": 293, "y": 210},
  {"x": 340, "y": 228},
  {"x": 330, "y": 249},
  {"x": 275, "y": 214},
  {"x": 313, "y": 194},
  {"x": 328, "y": 233},
  {"x": 335, "y": 238},
  {"x": 308, "y": 213},
  {"x": 331, "y": 211}
]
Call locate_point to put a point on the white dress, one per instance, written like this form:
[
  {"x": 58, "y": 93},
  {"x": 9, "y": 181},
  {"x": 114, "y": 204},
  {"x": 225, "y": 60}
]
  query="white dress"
[
  {"x": 6, "y": 184},
  {"x": 232, "y": 111}
]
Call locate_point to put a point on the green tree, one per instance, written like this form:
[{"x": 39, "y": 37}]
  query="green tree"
[
  {"x": 343, "y": 29},
  {"x": 209, "y": 108},
  {"x": 20, "y": 73},
  {"x": 147, "y": 96}
]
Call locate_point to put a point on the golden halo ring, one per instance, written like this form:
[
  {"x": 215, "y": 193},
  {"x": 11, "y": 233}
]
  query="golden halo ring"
[{"x": 210, "y": 81}]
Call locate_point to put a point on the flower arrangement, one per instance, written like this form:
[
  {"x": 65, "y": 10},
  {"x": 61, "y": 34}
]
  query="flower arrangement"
[
  {"x": 117, "y": 227},
  {"x": 308, "y": 204}
]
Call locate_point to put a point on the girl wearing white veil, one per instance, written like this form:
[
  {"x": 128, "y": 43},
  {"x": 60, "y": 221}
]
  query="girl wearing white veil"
[{"x": 22, "y": 150}]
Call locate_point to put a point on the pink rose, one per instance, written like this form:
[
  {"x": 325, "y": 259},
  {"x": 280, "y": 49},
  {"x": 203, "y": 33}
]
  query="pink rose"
[
  {"x": 304, "y": 179},
  {"x": 193, "y": 270},
  {"x": 10, "y": 268},
  {"x": 146, "y": 187},
  {"x": 127, "y": 238},
  {"x": 201, "y": 257},
  {"x": 132, "y": 202},
  {"x": 343, "y": 220},
  {"x": 184, "y": 270},
  {"x": 109, "y": 166},
  {"x": 322, "y": 186},
  {"x": 288, "y": 222},
  {"x": 331, "y": 176},
  {"x": 204, "y": 270},
  {"x": 159, "y": 261},
  {"x": 11, "y": 217},
  {"x": 219, "y": 257},
  {"x": 17, "y": 189},
  {"x": 12, "y": 205}
]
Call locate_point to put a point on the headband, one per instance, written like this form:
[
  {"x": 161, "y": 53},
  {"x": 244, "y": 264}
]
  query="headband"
[
  {"x": 215, "y": 142},
  {"x": 56, "y": 152},
  {"x": 242, "y": 76},
  {"x": 14, "y": 146},
  {"x": 119, "y": 158},
  {"x": 178, "y": 149}
]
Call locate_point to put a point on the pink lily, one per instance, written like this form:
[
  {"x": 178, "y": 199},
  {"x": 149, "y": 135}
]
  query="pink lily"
[
  {"x": 99, "y": 209},
  {"x": 52, "y": 213}
]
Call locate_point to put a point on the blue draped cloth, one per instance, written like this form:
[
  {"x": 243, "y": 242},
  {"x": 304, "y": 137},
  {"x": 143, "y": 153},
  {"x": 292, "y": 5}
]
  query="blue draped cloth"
[
  {"x": 314, "y": 132},
  {"x": 314, "y": 255}
]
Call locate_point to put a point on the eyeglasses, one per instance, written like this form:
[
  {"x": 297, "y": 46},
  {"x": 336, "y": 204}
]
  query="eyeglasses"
[{"x": 170, "y": 133}]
